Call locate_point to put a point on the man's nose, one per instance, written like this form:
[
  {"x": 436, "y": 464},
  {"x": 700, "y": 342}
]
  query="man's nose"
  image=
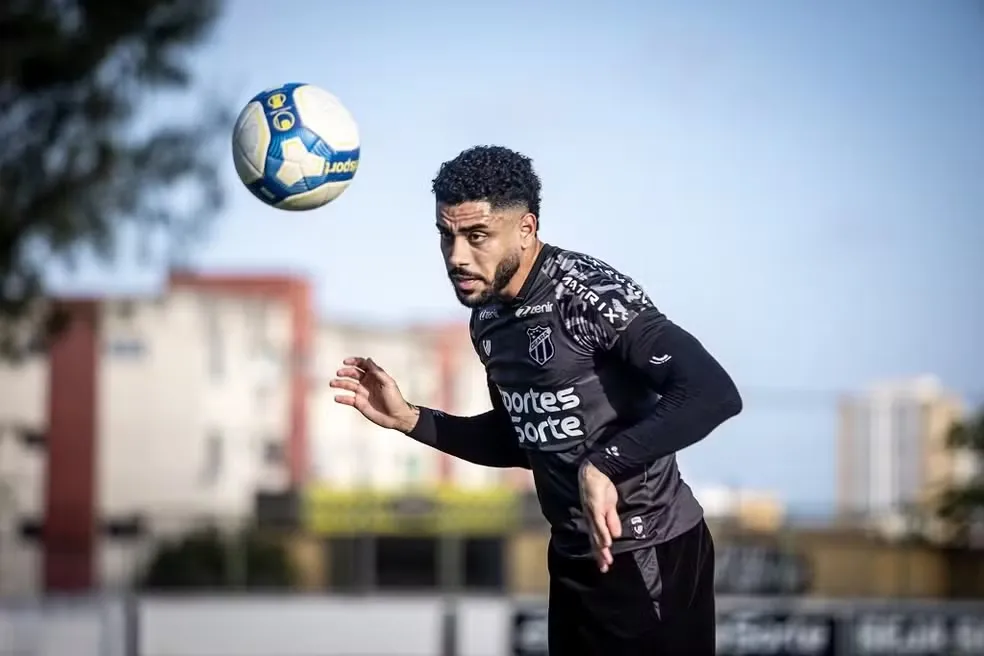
[{"x": 458, "y": 253}]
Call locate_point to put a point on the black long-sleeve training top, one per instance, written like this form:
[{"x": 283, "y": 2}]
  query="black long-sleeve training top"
[{"x": 581, "y": 365}]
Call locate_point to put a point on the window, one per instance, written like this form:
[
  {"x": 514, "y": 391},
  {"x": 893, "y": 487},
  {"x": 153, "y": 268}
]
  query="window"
[
  {"x": 212, "y": 461},
  {"x": 31, "y": 438},
  {"x": 256, "y": 319},
  {"x": 125, "y": 309},
  {"x": 126, "y": 348},
  {"x": 273, "y": 451},
  {"x": 130, "y": 527},
  {"x": 31, "y": 529},
  {"x": 215, "y": 343}
]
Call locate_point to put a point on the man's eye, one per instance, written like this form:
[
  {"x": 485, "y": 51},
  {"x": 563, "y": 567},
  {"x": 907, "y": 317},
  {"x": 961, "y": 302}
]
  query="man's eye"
[{"x": 476, "y": 237}]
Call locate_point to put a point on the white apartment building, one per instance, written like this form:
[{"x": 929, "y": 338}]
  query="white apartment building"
[
  {"x": 193, "y": 414},
  {"x": 156, "y": 414},
  {"x": 23, "y": 416},
  {"x": 151, "y": 415},
  {"x": 892, "y": 455},
  {"x": 435, "y": 367}
]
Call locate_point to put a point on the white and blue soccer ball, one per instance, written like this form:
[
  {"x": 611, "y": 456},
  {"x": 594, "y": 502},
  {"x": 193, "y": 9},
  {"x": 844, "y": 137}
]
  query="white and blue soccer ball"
[{"x": 296, "y": 147}]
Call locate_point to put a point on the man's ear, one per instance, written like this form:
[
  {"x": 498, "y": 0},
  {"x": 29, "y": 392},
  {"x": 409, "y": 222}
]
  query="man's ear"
[{"x": 528, "y": 224}]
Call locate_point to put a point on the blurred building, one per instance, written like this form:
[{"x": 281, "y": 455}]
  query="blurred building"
[
  {"x": 754, "y": 510},
  {"x": 23, "y": 419},
  {"x": 435, "y": 366},
  {"x": 146, "y": 416},
  {"x": 151, "y": 415},
  {"x": 892, "y": 455}
]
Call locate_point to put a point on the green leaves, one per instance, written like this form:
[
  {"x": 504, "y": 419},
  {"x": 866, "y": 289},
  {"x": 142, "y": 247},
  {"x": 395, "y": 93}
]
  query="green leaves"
[
  {"x": 79, "y": 158},
  {"x": 968, "y": 434},
  {"x": 963, "y": 505},
  {"x": 208, "y": 560}
]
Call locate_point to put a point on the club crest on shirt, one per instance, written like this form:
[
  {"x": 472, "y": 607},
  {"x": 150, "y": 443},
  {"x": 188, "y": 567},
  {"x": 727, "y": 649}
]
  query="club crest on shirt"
[{"x": 541, "y": 344}]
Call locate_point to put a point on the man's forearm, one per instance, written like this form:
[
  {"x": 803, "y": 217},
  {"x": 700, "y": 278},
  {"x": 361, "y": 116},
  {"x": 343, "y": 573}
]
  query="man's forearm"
[
  {"x": 697, "y": 396},
  {"x": 484, "y": 439},
  {"x": 677, "y": 421}
]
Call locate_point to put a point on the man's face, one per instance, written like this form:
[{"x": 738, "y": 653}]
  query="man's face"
[{"x": 481, "y": 250}]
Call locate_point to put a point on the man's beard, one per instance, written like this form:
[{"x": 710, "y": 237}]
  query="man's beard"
[{"x": 503, "y": 275}]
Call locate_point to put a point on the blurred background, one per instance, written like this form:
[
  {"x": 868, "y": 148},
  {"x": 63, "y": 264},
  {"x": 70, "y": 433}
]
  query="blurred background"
[{"x": 799, "y": 184}]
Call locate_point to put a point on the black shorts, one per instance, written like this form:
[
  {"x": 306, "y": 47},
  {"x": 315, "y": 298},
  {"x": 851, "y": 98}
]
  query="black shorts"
[{"x": 652, "y": 601}]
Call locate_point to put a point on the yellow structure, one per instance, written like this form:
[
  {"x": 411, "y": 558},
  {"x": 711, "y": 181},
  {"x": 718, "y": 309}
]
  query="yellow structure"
[
  {"x": 841, "y": 562},
  {"x": 434, "y": 511}
]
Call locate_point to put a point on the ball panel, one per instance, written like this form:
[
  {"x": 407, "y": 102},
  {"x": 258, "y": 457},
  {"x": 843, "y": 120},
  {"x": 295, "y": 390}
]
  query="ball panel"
[
  {"x": 320, "y": 164},
  {"x": 342, "y": 165},
  {"x": 261, "y": 189},
  {"x": 314, "y": 198},
  {"x": 325, "y": 115},
  {"x": 250, "y": 142}
]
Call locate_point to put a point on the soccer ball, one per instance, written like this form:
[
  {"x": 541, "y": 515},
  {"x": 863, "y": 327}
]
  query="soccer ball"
[{"x": 296, "y": 147}]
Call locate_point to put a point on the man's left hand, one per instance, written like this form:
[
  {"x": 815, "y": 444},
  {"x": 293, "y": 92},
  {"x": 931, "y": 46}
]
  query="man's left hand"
[{"x": 599, "y": 499}]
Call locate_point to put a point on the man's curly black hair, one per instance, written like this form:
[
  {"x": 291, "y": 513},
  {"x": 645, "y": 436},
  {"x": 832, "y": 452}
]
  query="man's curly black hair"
[{"x": 495, "y": 174}]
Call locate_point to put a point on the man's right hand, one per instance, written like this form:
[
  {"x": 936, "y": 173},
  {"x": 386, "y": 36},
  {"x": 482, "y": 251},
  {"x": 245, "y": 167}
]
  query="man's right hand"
[{"x": 375, "y": 394}]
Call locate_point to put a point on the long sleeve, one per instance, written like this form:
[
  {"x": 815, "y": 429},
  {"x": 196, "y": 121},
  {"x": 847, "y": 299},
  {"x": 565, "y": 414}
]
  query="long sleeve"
[
  {"x": 697, "y": 394},
  {"x": 487, "y": 439}
]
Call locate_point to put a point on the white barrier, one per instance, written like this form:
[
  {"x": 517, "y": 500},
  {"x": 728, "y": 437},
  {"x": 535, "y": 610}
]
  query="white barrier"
[
  {"x": 289, "y": 626},
  {"x": 86, "y": 626},
  {"x": 414, "y": 625}
]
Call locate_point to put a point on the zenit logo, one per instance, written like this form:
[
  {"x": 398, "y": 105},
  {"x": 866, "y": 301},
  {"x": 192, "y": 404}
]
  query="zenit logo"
[{"x": 531, "y": 310}]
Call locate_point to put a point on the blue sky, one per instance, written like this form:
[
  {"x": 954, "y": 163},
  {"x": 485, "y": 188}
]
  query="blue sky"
[{"x": 799, "y": 184}]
